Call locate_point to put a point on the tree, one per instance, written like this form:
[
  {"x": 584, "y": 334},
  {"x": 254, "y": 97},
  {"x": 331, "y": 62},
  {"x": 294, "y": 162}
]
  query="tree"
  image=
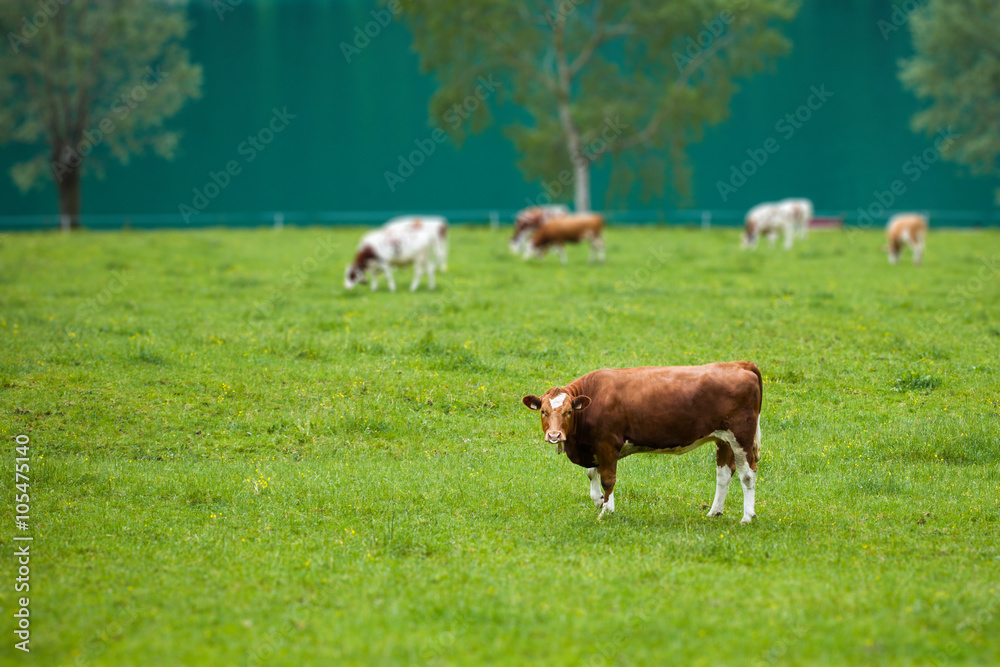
[
  {"x": 957, "y": 68},
  {"x": 635, "y": 79},
  {"x": 86, "y": 78}
]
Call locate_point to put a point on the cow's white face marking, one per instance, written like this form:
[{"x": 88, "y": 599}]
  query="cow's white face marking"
[{"x": 557, "y": 401}]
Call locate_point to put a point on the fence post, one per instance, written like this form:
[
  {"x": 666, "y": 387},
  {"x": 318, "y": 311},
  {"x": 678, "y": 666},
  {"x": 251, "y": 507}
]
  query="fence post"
[
  {"x": 706, "y": 219},
  {"x": 279, "y": 220},
  {"x": 494, "y": 220}
]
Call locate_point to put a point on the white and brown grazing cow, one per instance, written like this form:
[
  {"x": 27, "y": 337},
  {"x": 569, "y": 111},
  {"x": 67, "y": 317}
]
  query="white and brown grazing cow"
[
  {"x": 528, "y": 220},
  {"x": 609, "y": 414},
  {"x": 768, "y": 219},
  {"x": 563, "y": 229},
  {"x": 418, "y": 240},
  {"x": 906, "y": 229}
]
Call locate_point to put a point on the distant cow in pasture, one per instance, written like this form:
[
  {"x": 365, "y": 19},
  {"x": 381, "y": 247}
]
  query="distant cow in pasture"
[
  {"x": 768, "y": 219},
  {"x": 572, "y": 228},
  {"x": 528, "y": 220},
  {"x": 418, "y": 240},
  {"x": 609, "y": 414},
  {"x": 799, "y": 211},
  {"x": 906, "y": 229}
]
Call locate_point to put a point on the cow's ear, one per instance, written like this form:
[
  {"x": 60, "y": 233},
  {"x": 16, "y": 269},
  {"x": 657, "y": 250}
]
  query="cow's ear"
[
  {"x": 532, "y": 402},
  {"x": 581, "y": 402}
]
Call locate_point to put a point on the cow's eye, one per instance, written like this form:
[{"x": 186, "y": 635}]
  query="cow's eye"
[{"x": 544, "y": 413}]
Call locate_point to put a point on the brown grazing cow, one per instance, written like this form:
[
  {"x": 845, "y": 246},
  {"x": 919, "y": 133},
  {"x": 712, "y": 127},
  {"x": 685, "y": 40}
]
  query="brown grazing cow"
[
  {"x": 609, "y": 414},
  {"x": 906, "y": 229},
  {"x": 564, "y": 229}
]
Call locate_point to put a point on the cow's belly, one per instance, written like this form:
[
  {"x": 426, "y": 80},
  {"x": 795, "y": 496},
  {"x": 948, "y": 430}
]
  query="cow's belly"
[{"x": 630, "y": 448}]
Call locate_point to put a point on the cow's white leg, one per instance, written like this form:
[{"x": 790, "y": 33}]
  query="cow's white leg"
[
  {"x": 609, "y": 506},
  {"x": 608, "y": 486},
  {"x": 430, "y": 275},
  {"x": 562, "y": 253},
  {"x": 789, "y": 232},
  {"x": 417, "y": 272},
  {"x": 749, "y": 480},
  {"x": 595, "y": 487},
  {"x": 375, "y": 277},
  {"x": 723, "y": 475},
  {"x": 918, "y": 252},
  {"x": 388, "y": 277},
  {"x": 597, "y": 250}
]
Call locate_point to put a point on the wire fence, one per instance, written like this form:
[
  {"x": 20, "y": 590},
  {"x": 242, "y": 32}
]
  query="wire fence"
[{"x": 704, "y": 218}]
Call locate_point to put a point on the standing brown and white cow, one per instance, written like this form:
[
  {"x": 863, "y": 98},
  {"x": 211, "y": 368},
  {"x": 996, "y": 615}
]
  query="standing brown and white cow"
[
  {"x": 906, "y": 229},
  {"x": 563, "y": 229},
  {"x": 609, "y": 414}
]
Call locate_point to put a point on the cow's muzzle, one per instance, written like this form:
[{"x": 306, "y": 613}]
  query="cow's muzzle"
[{"x": 555, "y": 437}]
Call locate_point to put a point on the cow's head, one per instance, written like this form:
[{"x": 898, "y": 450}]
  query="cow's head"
[
  {"x": 353, "y": 275},
  {"x": 356, "y": 272},
  {"x": 558, "y": 413},
  {"x": 525, "y": 221}
]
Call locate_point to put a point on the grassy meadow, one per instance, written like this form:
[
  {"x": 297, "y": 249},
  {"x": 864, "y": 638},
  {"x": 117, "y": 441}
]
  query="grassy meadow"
[{"x": 236, "y": 462}]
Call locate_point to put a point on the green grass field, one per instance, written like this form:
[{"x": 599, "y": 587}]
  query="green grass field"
[{"x": 234, "y": 461}]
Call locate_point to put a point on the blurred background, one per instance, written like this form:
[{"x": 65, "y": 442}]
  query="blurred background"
[{"x": 314, "y": 107}]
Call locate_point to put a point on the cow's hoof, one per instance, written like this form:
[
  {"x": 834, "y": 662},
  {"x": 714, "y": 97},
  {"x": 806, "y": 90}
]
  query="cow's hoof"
[
  {"x": 747, "y": 518},
  {"x": 714, "y": 512}
]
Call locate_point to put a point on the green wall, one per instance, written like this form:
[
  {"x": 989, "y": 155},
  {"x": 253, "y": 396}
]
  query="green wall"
[{"x": 353, "y": 119}]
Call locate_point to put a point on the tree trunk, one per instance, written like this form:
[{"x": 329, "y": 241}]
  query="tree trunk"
[
  {"x": 581, "y": 185},
  {"x": 581, "y": 165},
  {"x": 68, "y": 184}
]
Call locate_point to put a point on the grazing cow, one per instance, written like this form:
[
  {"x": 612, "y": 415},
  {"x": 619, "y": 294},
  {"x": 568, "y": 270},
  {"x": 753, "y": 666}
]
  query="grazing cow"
[
  {"x": 609, "y": 414},
  {"x": 906, "y": 229},
  {"x": 530, "y": 219},
  {"x": 417, "y": 240},
  {"x": 800, "y": 212},
  {"x": 564, "y": 229},
  {"x": 767, "y": 219}
]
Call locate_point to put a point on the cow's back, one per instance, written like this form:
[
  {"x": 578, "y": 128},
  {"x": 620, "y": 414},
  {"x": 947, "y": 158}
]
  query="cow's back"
[
  {"x": 571, "y": 227},
  {"x": 669, "y": 406}
]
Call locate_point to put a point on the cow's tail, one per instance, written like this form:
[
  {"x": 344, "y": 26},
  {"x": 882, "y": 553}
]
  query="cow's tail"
[{"x": 752, "y": 367}]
